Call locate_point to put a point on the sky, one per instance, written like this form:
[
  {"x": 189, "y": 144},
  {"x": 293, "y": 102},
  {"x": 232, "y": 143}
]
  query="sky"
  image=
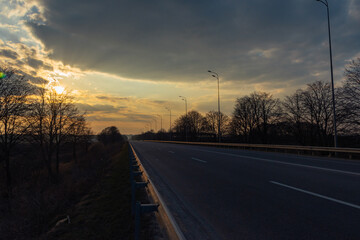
[{"x": 126, "y": 61}]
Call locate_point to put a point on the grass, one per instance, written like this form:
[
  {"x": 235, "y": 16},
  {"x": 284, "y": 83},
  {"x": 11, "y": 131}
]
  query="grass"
[{"x": 105, "y": 212}]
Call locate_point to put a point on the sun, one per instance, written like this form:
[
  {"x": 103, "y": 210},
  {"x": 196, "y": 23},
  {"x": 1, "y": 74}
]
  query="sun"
[{"x": 59, "y": 89}]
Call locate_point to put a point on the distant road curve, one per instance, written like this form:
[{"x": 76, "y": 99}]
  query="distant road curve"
[{"x": 236, "y": 194}]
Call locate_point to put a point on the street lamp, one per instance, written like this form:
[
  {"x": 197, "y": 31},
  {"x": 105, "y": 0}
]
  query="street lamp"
[
  {"x": 186, "y": 120},
  {"x": 184, "y": 99},
  {"x": 325, "y": 2},
  {"x": 160, "y": 121},
  {"x": 169, "y": 109},
  {"x": 155, "y": 124},
  {"x": 215, "y": 75}
]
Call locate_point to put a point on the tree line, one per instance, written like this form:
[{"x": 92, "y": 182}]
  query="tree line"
[
  {"x": 50, "y": 156},
  {"x": 40, "y": 116},
  {"x": 304, "y": 117}
]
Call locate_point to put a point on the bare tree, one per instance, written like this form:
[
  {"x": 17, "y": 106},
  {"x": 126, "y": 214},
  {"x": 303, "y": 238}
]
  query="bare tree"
[
  {"x": 243, "y": 121},
  {"x": 317, "y": 103},
  {"x": 87, "y": 137},
  {"x": 38, "y": 124},
  {"x": 50, "y": 119},
  {"x": 269, "y": 111},
  {"x": 352, "y": 83},
  {"x": 14, "y": 91},
  {"x": 212, "y": 119},
  {"x": 63, "y": 107},
  {"x": 294, "y": 115},
  {"x": 180, "y": 126},
  {"x": 110, "y": 135},
  {"x": 349, "y": 99},
  {"x": 253, "y": 114},
  {"x": 77, "y": 131},
  {"x": 194, "y": 123}
]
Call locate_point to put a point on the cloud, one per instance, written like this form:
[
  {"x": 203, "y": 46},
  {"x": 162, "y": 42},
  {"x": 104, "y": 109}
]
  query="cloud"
[
  {"x": 112, "y": 98},
  {"x": 102, "y": 119},
  {"x": 9, "y": 27},
  {"x": 9, "y": 53},
  {"x": 29, "y": 59},
  {"x": 354, "y": 9},
  {"x": 104, "y": 108},
  {"x": 268, "y": 53},
  {"x": 20, "y": 78},
  {"x": 179, "y": 40},
  {"x": 34, "y": 63}
]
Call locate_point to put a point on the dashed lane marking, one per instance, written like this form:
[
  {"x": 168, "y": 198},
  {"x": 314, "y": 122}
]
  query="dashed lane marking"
[
  {"x": 199, "y": 160},
  {"x": 317, "y": 195}
]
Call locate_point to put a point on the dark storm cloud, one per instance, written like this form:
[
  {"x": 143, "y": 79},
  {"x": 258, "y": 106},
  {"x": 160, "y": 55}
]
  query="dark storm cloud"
[
  {"x": 8, "y": 53},
  {"x": 104, "y": 108},
  {"x": 21, "y": 79},
  {"x": 103, "y": 119},
  {"x": 139, "y": 117},
  {"x": 132, "y": 117},
  {"x": 37, "y": 64},
  {"x": 21, "y": 55},
  {"x": 29, "y": 78},
  {"x": 255, "y": 41},
  {"x": 34, "y": 63},
  {"x": 112, "y": 99}
]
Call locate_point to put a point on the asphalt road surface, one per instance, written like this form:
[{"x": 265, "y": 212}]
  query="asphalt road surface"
[{"x": 216, "y": 193}]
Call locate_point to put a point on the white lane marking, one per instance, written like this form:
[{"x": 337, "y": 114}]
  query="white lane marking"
[
  {"x": 171, "y": 152},
  {"x": 199, "y": 160},
  {"x": 317, "y": 195},
  {"x": 292, "y": 164}
]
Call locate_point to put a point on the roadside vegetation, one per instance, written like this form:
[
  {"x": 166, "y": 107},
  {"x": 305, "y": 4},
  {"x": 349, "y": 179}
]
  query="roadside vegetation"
[
  {"x": 301, "y": 118},
  {"x": 55, "y": 168},
  {"x": 105, "y": 211}
]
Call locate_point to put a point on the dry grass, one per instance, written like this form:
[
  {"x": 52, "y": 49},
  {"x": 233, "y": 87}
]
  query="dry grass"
[
  {"x": 105, "y": 212},
  {"x": 38, "y": 204}
]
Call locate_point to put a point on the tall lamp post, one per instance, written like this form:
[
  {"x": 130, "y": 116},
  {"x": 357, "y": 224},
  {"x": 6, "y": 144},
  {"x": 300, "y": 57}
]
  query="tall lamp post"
[
  {"x": 215, "y": 75},
  {"x": 325, "y": 2},
  {"x": 169, "y": 109},
  {"x": 186, "y": 120},
  {"x": 155, "y": 124},
  {"x": 160, "y": 120}
]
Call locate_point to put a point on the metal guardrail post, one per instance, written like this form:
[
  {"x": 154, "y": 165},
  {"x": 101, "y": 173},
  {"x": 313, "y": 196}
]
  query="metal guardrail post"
[
  {"x": 148, "y": 208},
  {"x": 135, "y": 185},
  {"x": 141, "y": 209},
  {"x": 134, "y": 174},
  {"x": 137, "y": 220},
  {"x": 135, "y": 167}
]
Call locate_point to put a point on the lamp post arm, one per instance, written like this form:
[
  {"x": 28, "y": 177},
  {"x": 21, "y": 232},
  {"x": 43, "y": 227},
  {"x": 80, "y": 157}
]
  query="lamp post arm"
[{"x": 324, "y": 2}]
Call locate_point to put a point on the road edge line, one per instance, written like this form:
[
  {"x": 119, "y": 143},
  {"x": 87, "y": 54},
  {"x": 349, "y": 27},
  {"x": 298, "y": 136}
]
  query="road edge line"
[{"x": 164, "y": 212}]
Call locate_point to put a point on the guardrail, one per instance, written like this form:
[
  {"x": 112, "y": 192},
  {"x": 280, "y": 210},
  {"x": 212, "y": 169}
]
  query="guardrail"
[
  {"x": 350, "y": 152},
  {"x": 162, "y": 213}
]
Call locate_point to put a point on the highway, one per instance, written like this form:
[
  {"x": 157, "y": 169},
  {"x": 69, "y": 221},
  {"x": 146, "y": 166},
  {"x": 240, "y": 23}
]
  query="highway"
[{"x": 216, "y": 193}]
